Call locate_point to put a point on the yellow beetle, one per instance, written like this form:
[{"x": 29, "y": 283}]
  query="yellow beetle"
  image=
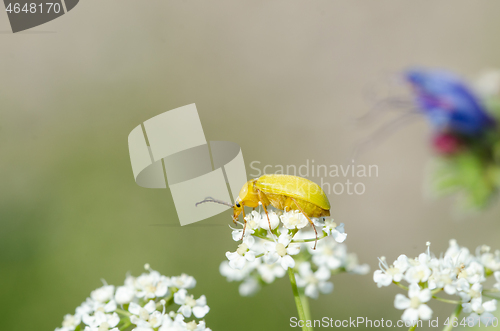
[{"x": 283, "y": 192}]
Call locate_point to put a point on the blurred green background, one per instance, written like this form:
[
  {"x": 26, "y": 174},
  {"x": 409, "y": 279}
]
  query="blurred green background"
[{"x": 283, "y": 79}]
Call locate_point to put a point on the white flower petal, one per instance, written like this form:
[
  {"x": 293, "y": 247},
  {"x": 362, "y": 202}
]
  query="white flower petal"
[
  {"x": 180, "y": 296},
  {"x": 325, "y": 287},
  {"x": 425, "y": 295},
  {"x": 410, "y": 316},
  {"x": 424, "y": 312},
  {"x": 490, "y": 305},
  {"x": 185, "y": 310},
  {"x": 293, "y": 249},
  {"x": 401, "y": 302},
  {"x": 339, "y": 237},
  {"x": 413, "y": 290},
  {"x": 322, "y": 274},
  {"x": 381, "y": 278},
  {"x": 134, "y": 308},
  {"x": 150, "y": 306},
  {"x": 311, "y": 291},
  {"x": 200, "y": 311},
  {"x": 287, "y": 262}
]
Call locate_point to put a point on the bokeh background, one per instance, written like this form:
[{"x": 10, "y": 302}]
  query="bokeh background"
[{"x": 283, "y": 79}]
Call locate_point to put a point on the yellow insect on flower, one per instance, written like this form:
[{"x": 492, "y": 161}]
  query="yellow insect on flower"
[{"x": 283, "y": 192}]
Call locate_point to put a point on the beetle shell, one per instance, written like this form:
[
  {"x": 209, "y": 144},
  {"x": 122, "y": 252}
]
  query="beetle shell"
[{"x": 279, "y": 189}]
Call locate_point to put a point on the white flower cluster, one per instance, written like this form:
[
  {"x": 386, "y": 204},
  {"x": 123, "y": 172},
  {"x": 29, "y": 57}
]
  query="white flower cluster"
[
  {"x": 457, "y": 272},
  {"x": 265, "y": 254},
  {"x": 141, "y": 305}
]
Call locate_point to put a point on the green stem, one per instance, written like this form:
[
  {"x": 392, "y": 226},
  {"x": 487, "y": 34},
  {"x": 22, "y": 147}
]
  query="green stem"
[
  {"x": 126, "y": 326},
  {"x": 401, "y": 285},
  {"x": 413, "y": 327},
  {"x": 309, "y": 240},
  {"x": 454, "y": 302},
  {"x": 305, "y": 304},
  {"x": 123, "y": 312},
  {"x": 488, "y": 294},
  {"x": 298, "y": 302},
  {"x": 262, "y": 237},
  {"x": 436, "y": 291},
  {"x": 455, "y": 314}
]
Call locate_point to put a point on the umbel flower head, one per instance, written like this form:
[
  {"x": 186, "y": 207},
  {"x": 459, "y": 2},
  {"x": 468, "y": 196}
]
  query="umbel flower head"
[
  {"x": 457, "y": 272},
  {"x": 466, "y": 136},
  {"x": 150, "y": 302},
  {"x": 265, "y": 254}
]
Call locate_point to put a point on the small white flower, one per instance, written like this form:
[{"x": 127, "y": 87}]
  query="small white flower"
[
  {"x": 469, "y": 293},
  {"x": 152, "y": 285},
  {"x": 414, "y": 306},
  {"x": 101, "y": 320},
  {"x": 487, "y": 258},
  {"x": 173, "y": 323},
  {"x": 238, "y": 259},
  {"x": 189, "y": 305},
  {"x": 273, "y": 219},
  {"x": 179, "y": 325},
  {"x": 402, "y": 263},
  {"x": 382, "y": 278},
  {"x": 124, "y": 295},
  {"x": 443, "y": 280},
  {"x": 146, "y": 318},
  {"x": 328, "y": 253},
  {"x": 269, "y": 272},
  {"x": 480, "y": 311},
  {"x": 281, "y": 252},
  {"x": 183, "y": 281},
  {"x": 103, "y": 327},
  {"x": 237, "y": 274},
  {"x": 497, "y": 277},
  {"x": 103, "y": 294},
  {"x": 443, "y": 275},
  {"x": 336, "y": 231},
  {"x": 352, "y": 265},
  {"x": 457, "y": 254},
  {"x": 294, "y": 219},
  {"x": 314, "y": 282},
  {"x": 142, "y": 312},
  {"x": 419, "y": 271},
  {"x": 85, "y": 308},
  {"x": 70, "y": 322},
  {"x": 90, "y": 306},
  {"x": 388, "y": 274},
  {"x": 249, "y": 287},
  {"x": 473, "y": 272},
  {"x": 252, "y": 223}
]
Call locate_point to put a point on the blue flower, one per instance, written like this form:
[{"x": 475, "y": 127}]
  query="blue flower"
[{"x": 449, "y": 104}]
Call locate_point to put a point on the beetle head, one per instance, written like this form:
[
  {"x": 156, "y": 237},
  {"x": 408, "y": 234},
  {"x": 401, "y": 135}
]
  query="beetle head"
[
  {"x": 247, "y": 197},
  {"x": 237, "y": 209}
]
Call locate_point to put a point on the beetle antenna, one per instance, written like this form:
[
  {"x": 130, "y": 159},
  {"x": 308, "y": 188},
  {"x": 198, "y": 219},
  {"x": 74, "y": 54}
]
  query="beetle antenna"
[
  {"x": 400, "y": 104},
  {"x": 382, "y": 132},
  {"x": 210, "y": 199}
]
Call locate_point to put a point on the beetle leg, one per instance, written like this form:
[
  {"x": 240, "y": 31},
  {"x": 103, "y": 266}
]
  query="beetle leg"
[
  {"x": 244, "y": 220},
  {"x": 261, "y": 199},
  {"x": 311, "y": 222}
]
